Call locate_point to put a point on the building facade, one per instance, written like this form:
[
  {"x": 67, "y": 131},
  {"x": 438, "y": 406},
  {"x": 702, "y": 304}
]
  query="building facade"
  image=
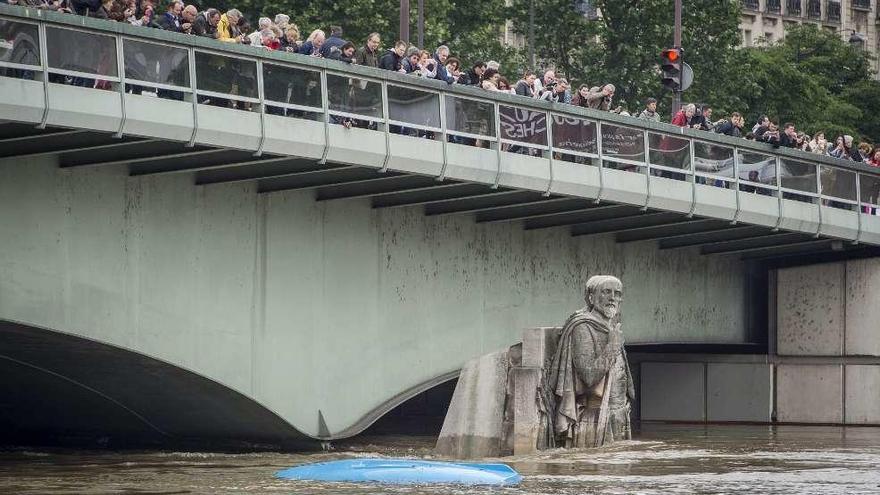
[{"x": 855, "y": 20}]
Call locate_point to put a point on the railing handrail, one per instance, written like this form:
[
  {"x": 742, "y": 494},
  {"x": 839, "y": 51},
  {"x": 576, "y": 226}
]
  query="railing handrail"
[{"x": 174, "y": 39}]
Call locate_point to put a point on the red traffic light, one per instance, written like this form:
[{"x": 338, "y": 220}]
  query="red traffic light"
[{"x": 671, "y": 54}]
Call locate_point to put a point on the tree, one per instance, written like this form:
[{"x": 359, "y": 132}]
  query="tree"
[{"x": 623, "y": 46}]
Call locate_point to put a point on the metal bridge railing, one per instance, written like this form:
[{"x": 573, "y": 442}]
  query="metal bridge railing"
[{"x": 64, "y": 49}]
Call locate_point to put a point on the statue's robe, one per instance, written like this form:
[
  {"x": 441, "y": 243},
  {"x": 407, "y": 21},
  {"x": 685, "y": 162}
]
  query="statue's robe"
[{"x": 584, "y": 369}]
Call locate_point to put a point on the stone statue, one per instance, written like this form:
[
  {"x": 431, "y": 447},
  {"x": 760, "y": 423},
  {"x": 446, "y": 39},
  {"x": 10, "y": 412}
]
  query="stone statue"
[
  {"x": 568, "y": 387},
  {"x": 588, "y": 389}
]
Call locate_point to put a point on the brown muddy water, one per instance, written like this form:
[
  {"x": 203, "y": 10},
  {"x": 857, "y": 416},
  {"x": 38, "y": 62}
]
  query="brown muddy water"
[{"x": 662, "y": 459}]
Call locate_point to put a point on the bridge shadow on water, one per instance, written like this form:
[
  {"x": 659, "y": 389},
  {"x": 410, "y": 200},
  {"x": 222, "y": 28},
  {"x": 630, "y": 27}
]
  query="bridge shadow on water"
[{"x": 68, "y": 391}]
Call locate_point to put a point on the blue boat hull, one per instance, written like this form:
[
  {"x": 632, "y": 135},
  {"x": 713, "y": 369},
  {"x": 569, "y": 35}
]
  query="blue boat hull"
[{"x": 404, "y": 471}]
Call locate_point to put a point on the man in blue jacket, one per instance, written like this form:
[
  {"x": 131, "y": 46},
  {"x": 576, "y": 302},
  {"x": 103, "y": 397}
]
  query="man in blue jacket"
[{"x": 334, "y": 41}]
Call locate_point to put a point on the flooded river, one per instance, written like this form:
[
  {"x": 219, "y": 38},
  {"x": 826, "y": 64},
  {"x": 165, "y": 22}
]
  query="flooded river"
[{"x": 662, "y": 459}]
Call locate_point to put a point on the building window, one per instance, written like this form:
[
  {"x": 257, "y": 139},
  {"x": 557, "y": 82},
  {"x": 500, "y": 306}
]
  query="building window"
[
  {"x": 752, "y": 4},
  {"x": 747, "y": 37},
  {"x": 814, "y": 9},
  {"x": 833, "y": 11},
  {"x": 862, "y": 4},
  {"x": 774, "y": 6},
  {"x": 793, "y": 7}
]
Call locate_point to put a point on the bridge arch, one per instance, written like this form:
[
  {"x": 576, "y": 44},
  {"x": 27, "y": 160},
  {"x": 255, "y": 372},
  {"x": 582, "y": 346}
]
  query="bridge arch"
[{"x": 64, "y": 389}]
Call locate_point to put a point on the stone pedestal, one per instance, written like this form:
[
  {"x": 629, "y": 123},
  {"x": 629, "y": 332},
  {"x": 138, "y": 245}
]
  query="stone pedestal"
[
  {"x": 494, "y": 410},
  {"x": 475, "y": 423}
]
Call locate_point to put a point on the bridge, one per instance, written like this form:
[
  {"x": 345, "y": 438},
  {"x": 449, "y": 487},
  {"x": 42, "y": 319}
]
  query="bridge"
[{"x": 187, "y": 225}]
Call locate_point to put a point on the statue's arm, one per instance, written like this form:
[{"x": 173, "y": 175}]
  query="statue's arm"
[{"x": 591, "y": 363}]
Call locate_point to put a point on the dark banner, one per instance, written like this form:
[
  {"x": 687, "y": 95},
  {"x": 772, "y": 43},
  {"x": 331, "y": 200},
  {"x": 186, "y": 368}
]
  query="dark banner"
[
  {"x": 524, "y": 126},
  {"x": 574, "y": 134}
]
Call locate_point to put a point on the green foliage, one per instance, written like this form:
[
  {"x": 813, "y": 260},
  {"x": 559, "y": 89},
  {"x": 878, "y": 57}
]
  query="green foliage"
[{"x": 811, "y": 78}]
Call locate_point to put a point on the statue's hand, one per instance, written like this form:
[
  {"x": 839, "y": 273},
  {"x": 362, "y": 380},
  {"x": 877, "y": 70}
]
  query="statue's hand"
[{"x": 615, "y": 338}]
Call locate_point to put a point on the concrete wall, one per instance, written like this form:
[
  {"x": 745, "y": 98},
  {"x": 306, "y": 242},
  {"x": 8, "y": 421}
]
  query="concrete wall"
[
  {"x": 308, "y": 306},
  {"x": 828, "y": 339},
  {"x": 713, "y": 388}
]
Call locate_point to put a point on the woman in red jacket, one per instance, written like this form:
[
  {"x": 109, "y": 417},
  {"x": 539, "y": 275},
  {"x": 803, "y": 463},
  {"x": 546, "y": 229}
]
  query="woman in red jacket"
[{"x": 685, "y": 116}]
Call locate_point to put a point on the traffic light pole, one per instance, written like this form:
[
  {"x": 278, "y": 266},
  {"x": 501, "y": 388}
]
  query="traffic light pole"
[{"x": 676, "y": 95}]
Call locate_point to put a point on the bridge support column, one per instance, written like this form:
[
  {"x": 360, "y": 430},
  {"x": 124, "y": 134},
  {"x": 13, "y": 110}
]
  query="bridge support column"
[{"x": 828, "y": 343}]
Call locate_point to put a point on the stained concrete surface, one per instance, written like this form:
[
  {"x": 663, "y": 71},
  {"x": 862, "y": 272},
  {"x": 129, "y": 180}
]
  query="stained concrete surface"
[
  {"x": 672, "y": 391},
  {"x": 862, "y": 394},
  {"x": 862, "y": 308},
  {"x": 307, "y": 306},
  {"x": 809, "y": 393},
  {"x": 738, "y": 392},
  {"x": 810, "y": 310}
]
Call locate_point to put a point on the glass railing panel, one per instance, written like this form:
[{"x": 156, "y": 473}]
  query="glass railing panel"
[
  {"x": 233, "y": 77},
  {"x": 350, "y": 95},
  {"x": 155, "y": 63},
  {"x": 757, "y": 173},
  {"x": 19, "y": 48},
  {"x": 798, "y": 176},
  {"x": 412, "y": 106},
  {"x": 838, "y": 184},
  {"x": 291, "y": 91},
  {"x": 82, "y": 52},
  {"x": 472, "y": 117},
  {"x": 623, "y": 143},
  {"x": 713, "y": 159},
  {"x": 668, "y": 154},
  {"x": 869, "y": 186}
]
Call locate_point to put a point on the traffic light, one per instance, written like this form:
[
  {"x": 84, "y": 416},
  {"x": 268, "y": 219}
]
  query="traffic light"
[{"x": 671, "y": 68}]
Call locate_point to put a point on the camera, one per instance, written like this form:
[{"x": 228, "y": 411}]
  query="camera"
[{"x": 551, "y": 84}]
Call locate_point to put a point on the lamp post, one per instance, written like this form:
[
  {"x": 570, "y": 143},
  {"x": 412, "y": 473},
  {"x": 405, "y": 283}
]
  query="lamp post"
[{"x": 404, "y": 20}]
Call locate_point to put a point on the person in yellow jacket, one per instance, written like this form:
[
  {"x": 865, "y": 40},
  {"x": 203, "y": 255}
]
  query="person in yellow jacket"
[{"x": 227, "y": 29}]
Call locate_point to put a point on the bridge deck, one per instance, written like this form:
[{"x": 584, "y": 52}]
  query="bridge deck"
[{"x": 414, "y": 141}]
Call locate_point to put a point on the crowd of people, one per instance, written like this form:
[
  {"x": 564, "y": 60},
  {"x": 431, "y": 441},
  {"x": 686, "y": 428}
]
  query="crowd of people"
[
  {"x": 765, "y": 130},
  {"x": 282, "y": 34}
]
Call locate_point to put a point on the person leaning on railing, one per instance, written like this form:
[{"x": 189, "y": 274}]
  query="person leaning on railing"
[
  {"x": 206, "y": 23},
  {"x": 56, "y": 5},
  {"x": 227, "y": 27},
  {"x": 368, "y": 55}
]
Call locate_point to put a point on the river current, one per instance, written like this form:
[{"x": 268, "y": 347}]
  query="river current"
[{"x": 661, "y": 459}]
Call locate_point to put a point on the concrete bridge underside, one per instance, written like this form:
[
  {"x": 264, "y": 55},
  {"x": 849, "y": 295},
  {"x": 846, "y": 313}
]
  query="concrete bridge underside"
[{"x": 337, "y": 293}]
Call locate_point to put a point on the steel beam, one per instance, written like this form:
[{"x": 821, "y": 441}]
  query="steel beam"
[
  {"x": 755, "y": 243},
  {"x": 59, "y": 142},
  {"x": 323, "y": 178},
  {"x": 733, "y": 233},
  {"x": 672, "y": 231},
  {"x": 390, "y": 186},
  {"x": 550, "y": 206},
  {"x": 584, "y": 215},
  {"x": 796, "y": 249},
  {"x": 15, "y": 130},
  {"x": 263, "y": 170},
  {"x": 414, "y": 198},
  {"x": 189, "y": 162},
  {"x": 627, "y": 223},
  {"x": 149, "y": 149},
  {"x": 501, "y": 199}
]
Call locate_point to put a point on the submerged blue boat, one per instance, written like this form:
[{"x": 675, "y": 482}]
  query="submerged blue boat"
[{"x": 404, "y": 471}]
